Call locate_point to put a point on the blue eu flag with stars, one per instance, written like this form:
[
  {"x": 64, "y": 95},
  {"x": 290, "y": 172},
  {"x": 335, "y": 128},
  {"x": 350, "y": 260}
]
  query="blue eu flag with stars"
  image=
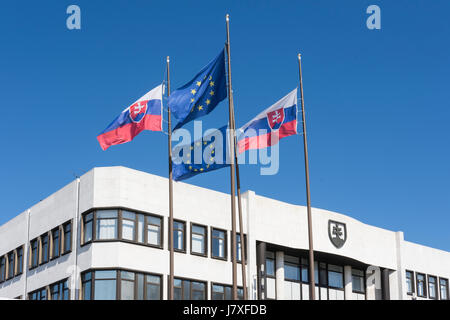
[
  {"x": 200, "y": 95},
  {"x": 206, "y": 154}
]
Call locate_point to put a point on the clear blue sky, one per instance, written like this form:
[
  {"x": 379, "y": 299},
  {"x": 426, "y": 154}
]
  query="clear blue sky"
[{"x": 377, "y": 101}]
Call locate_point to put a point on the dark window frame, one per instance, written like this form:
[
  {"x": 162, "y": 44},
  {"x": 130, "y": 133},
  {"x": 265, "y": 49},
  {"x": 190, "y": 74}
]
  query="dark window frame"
[
  {"x": 274, "y": 266},
  {"x": 184, "y": 236},
  {"x": 119, "y": 282},
  {"x": 190, "y": 280},
  {"x": 205, "y": 239},
  {"x": 446, "y": 286},
  {"x": 436, "y": 287},
  {"x": 33, "y": 252},
  {"x": 343, "y": 278},
  {"x": 412, "y": 282},
  {"x": 2, "y": 268},
  {"x": 119, "y": 227},
  {"x": 52, "y": 254},
  {"x": 43, "y": 260},
  {"x": 61, "y": 289},
  {"x": 8, "y": 275},
  {"x": 224, "y": 292},
  {"x": 363, "y": 279},
  {"x": 424, "y": 285},
  {"x": 292, "y": 264},
  {"x": 225, "y": 258},
  {"x": 238, "y": 234},
  {"x": 19, "y": 260},
  {"x": 63, "y": 237}
]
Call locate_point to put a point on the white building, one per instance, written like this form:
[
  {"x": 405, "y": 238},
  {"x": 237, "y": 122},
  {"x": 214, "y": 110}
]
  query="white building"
[{"x": 105, "y": 236}]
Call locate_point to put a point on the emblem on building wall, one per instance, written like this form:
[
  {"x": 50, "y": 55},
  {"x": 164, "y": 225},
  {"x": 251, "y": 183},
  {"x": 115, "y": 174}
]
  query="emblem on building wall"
[{"x": 337, "y": 231}]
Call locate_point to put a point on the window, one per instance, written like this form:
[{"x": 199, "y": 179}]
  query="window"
[
  {"x": 2, "y": 268},
  {"x": 304, "y": 270},
  {"x": 198, "y": 239},
  {"x": 60, "y": 290},
  {"x": 335, "y": 276},
  {"x": 189, "y": 290},
  {"x": 19, "y": 262},
  {"x": 127, "y": 280},
  {"x": 86, "y": 286},
  {"x": 44, "y": 248},
  {"x": 291, "y": 271},
  {"x": 154, "y": 235},
  {"x": 153, "y": 287},
  {"x": 141, "y": 228},
  {"x": 225, "y": 292},
  {"x": 128, "y": 225},
  {"x": 219, "y": 244},
  {"x": 178, "y": 235},
  {"x": 270, "y": 264},
  {"x": 34, "y": 253},
  {"x": 105, "y": 285},
  {"x": 323, "y": 274},
  {"x": 56, "y": 239},
  {"x": 421, "y": 285},
  {"x": 443, "y": 288},
  {"x": 67, "y": 229},
  {"x": 432, "y": 287},
  {"x": 88, "y": 223},
  {"x": 11, "y": 264},
  {"x": 40, "y": 294},
  {"x": 358, "y": 281},
  {"x": 239, "y": 246},
  {"x": 409, "y": 282},
  {"x": 106, "y": 224}
]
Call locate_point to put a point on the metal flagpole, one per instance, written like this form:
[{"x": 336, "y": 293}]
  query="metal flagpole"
[
  {"x": 169, "y": 130},
  {"x": 232, "y": 192},
  {"x": 241, "y": 226},
  {"x": 312, "y": 290}
]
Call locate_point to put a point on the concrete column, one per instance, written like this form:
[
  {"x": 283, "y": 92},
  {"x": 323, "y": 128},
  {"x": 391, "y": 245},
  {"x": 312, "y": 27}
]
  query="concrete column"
[
  {"x": 279, "y": 274},
  {"x": 348, "y": 288}
]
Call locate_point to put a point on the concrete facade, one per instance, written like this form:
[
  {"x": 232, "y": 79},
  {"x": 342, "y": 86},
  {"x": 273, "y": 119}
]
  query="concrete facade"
[{"x": 384, "y": 256}]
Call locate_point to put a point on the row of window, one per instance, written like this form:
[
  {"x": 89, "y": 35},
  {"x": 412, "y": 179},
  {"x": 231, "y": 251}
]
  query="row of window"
[
  {"x": 116, "y": 284},
  {"x": 50, "y": 245},
  {"x": 142, "y": 228},
  {"x": 11, "y": 264},
  {"x": 56, "y": 291},
  {"x": 325, "y": 275},
  {"x": 437, "y": 287}
]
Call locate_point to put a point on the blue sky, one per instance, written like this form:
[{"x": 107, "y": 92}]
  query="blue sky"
[{"x": 377, "y": 101}]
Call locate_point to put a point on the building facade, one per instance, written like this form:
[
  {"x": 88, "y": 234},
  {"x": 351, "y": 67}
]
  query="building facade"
[{"x": 105, "y": 236}]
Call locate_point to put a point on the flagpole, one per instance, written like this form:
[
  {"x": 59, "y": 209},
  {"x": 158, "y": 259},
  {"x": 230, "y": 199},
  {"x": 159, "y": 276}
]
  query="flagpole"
[
  {"x": 241, "y": 226},
  {"x": 170, "y": 237},
  {"x": 232, "y": 156},
  {"x": 312, "y": 290}
]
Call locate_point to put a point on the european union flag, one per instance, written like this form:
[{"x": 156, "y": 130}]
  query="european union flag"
[
  {"x": 200, "y": 95},
  {"x": 204, "y": 155}
]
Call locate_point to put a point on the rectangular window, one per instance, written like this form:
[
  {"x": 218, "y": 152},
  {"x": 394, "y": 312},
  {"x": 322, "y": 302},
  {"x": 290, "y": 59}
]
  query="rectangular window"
[
  {"x": 304, "y": 270},
  {"x": 11, "y": 264},
  {"x": 2, "y": 268},
  {"x": 421, "y": 285},
  {"x": 270, "y": 264},
  {"x": 40, "y": 294},
  {"x": 409, "y": 282},
  {"x": 86, "y": 285},
  {"x": 106, "y": 224},
  {"x": 432, "y": 287},
  {"x": 56, "y": 239},
  {"x": 153, "y": 287},
  {"x": 19, "y": 268},
  {"x": 60, "y": 290},
  {"x": 141, "y": 228},
  {"x": 128, "y": 225},
  {"x": 443, "y": 288},
  {"x": 239, "y": 246},
  {"x": 154, "y": 235},
  {"x": 224, "y": 292},
  {"x": 358, "y": 281},
  {"x": 335, "y": 276},
  {"x": 127, "y": 280},
  {"x": 178, "y": 235},
  {"x": 105, "y": 285},
  {"x": 323, "y": 274},
  {"x": 88, "y": 223},
  {"x": 189, "y": 290},
  {"x": 54, "y": 291},
  {"x": 218, "y": 243},
  {"x": 67, "y": 229},
  {"x": 198, "y": 239},
  {"x": 34, "y": 246},
  {"x": 291, "y": 271},
  {"x": 44, "y": 246}
]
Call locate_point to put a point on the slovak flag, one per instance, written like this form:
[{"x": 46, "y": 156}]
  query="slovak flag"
[
  {"x": 144, "y": 114},
  {"x": 268, "y": 127}
]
